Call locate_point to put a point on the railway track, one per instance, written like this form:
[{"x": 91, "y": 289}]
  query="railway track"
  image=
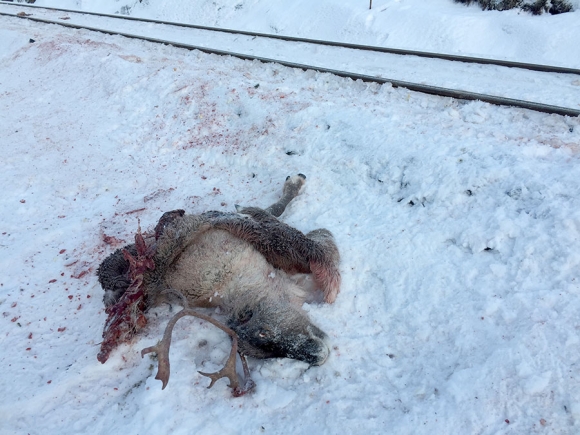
[{"x": 544, "y": 88}]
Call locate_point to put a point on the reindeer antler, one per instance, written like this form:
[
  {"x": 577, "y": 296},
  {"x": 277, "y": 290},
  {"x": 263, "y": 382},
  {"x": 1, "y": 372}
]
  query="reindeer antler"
[{"x": 228, "y": 371}]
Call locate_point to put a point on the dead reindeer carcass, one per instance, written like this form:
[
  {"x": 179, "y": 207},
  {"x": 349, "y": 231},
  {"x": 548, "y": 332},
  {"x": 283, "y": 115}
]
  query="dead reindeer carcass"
[{"x": 250, "y": 264}]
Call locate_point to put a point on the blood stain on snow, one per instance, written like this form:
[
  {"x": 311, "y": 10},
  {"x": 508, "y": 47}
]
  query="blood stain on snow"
[
  {"x": 112, "y": 240},
  {"x": 138, "y": 210}
]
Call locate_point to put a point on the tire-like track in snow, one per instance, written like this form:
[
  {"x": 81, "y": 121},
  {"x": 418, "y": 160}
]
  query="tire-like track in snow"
[{"x": 428, "y": 89}]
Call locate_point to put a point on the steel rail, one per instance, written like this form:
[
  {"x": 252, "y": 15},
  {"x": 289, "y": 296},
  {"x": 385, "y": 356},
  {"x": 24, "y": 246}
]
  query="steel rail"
[
  {"x": 426, "y": 89},
  {"x": 398, "y": 51}
]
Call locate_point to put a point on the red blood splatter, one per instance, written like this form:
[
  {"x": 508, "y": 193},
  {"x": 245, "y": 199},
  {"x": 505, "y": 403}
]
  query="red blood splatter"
[
  {"x": 80, "y": 274},
  {"x": 51, "y": 281},
  {"x": 62, "y": 251},
  {"x": 61, "y": 329},
  {"x": 136, "y": 210},
  {"x": 112, "y": 240}
]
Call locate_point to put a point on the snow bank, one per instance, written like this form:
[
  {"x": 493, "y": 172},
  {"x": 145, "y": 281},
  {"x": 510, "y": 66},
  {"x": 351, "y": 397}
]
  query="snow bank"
[{"x": 434, "y": 25}]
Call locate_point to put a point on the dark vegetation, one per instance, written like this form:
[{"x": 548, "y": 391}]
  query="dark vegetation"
[{"x": 536, "y": 7}]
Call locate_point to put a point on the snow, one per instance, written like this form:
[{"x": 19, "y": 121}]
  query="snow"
[
  {"x": 458, "y": 225},
  {"x": 441, "y": 26},
  {"x": 556, "y": 89}
]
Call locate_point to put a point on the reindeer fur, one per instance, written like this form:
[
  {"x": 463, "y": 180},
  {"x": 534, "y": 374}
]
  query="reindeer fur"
[{"x": 251, "y": 265}]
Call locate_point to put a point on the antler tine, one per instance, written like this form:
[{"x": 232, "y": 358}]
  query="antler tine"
[
  {"x": 162, "y": 350},
  {"x": 229, "y": 370}
]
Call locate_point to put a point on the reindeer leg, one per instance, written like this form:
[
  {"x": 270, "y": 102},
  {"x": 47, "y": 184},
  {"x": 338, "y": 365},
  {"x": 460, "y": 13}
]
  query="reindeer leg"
[
  {"x": 291, "y": 190},
  {"x": 168, "y": 218},
  {"x": 324, "y": 264}
]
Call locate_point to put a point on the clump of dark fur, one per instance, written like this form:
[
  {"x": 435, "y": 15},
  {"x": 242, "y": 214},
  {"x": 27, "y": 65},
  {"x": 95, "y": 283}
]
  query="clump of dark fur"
[{"x": 536, "y": 7}]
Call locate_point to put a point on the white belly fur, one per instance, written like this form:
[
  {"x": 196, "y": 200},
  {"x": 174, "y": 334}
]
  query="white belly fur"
[{"x": 216, "y": 265}]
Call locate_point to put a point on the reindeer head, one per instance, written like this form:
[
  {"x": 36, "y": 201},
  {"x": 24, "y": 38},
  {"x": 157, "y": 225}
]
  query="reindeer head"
[{"x": 273, "y": 328}]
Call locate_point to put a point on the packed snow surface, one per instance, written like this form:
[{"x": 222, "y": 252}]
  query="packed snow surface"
[
  {"x": 441, "y": 26},
  {"x": 516, "y": 83},
  {"x": 458, "y": 225}
]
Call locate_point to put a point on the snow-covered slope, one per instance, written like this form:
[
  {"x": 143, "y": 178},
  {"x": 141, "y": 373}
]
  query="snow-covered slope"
[
  {"x": 515, "y": 83},
  {"x": 458, "y": 224},
  {"x": 434, "y": 25}
]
